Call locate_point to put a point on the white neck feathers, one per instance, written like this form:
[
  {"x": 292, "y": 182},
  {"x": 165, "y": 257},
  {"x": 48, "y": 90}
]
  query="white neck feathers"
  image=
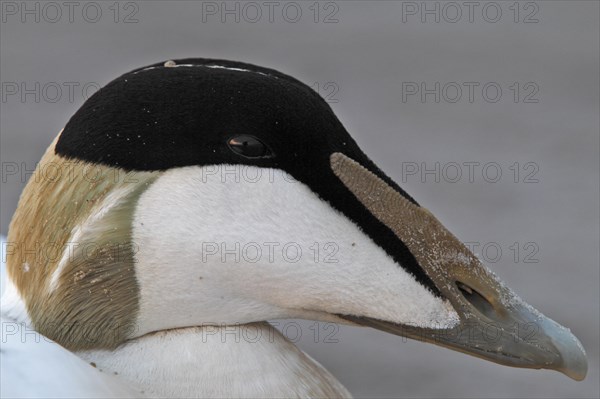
[{"x": 250, "y": 360}]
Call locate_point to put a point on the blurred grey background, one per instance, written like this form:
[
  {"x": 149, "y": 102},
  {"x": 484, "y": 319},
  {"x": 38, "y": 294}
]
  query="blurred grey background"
[{"x": 367, "y": 59}]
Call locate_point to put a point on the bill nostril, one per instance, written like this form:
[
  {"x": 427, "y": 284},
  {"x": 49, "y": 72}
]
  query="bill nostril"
[{"x": 477, "y": 300}]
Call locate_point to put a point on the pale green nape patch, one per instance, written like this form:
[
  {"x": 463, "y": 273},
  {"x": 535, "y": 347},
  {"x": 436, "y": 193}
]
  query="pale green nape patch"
[{"x": 71, "y": 254}]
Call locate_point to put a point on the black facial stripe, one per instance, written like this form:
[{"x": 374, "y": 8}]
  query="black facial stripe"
[
  {"x": 159, "y": 117},
  {"x": 330, "y": 188}
]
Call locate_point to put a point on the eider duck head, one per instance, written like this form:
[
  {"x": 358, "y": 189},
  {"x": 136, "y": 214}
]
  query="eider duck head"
[{"x": 202, "y": 191}]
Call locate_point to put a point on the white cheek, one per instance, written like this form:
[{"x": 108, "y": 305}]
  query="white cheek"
[{"x": 238, "y": 244}]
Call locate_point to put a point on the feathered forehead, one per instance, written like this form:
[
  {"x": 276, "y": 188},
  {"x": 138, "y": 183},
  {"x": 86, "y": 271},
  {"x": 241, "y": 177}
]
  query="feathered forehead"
[{"x": 180, "y": 113}]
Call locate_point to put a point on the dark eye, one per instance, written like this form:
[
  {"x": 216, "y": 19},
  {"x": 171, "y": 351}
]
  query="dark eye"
[{"x": 249, "y": 147}]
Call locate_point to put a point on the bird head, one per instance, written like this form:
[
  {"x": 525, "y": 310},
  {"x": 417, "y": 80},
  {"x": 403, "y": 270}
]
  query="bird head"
[{"x": 200, "y": 191}]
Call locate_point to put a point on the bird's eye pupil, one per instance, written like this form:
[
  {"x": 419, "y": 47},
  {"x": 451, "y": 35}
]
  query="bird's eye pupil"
[{"x": 249, "y": 147}]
